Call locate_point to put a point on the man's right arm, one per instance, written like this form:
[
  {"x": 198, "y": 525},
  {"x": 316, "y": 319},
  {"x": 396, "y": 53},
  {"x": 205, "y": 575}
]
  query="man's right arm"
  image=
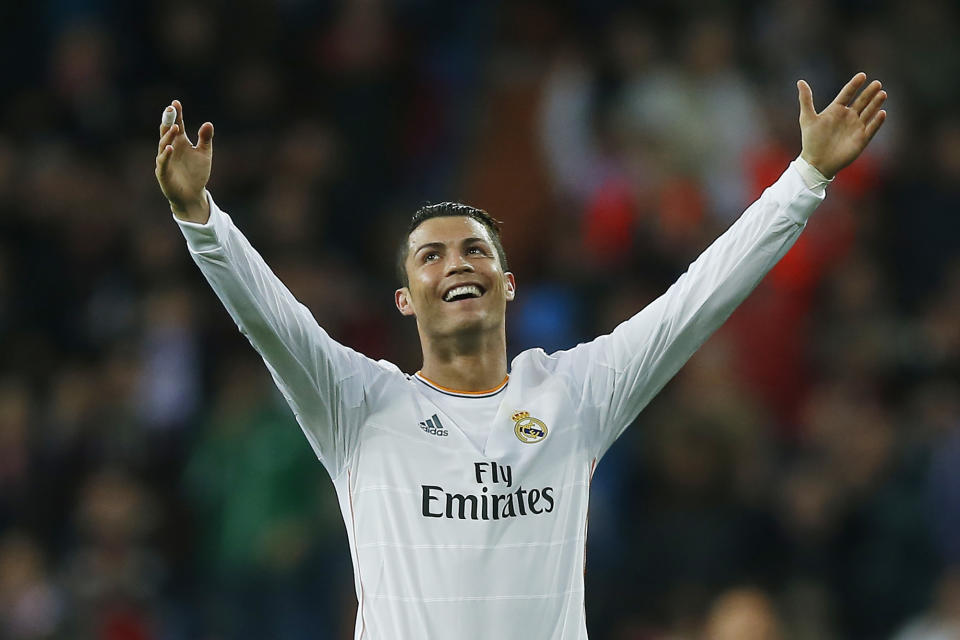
[{"x": 323, "y": 381}]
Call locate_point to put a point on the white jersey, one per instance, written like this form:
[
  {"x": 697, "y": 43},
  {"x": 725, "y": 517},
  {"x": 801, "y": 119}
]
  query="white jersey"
[{"x": 467, "y": 513}]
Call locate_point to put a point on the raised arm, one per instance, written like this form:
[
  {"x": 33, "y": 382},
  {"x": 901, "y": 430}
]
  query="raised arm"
[
  {"x": 626, "y": 368},
  {"x": 323, "y": 381}
]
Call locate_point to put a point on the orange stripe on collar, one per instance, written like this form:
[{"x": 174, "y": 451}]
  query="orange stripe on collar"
[{"x": 440, "y": 387}]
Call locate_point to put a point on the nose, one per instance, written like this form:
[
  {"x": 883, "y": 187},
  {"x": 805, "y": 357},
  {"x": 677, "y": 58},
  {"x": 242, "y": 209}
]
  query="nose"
[{"x": 458, "y": 264}]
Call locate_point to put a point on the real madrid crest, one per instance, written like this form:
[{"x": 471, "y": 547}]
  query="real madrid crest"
[{"x": 529, "y": 430}]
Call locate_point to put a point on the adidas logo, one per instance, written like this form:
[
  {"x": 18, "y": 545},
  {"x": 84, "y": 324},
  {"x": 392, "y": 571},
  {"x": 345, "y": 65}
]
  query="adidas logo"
[{"x": 433, "y": 426}]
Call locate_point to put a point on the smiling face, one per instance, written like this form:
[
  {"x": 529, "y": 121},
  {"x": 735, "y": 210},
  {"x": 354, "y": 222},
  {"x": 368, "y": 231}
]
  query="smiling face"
[{"x": 456, "y": 284}]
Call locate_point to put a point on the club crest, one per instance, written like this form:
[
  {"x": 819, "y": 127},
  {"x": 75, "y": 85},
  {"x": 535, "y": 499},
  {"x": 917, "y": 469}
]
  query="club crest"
[{"x": 529, "y": 430}]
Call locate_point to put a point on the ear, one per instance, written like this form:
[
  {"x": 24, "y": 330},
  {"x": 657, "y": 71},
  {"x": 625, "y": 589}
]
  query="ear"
[
  {"x": 509, "y": 285},
  {"x": 402, "y": 299}
]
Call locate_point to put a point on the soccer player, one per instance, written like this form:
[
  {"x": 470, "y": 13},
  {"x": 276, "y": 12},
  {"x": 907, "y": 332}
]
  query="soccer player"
[{"x": 464, "y": 486}]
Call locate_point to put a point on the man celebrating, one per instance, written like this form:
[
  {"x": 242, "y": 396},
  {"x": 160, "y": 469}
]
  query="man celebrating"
[{"x": 464, "y": 486}]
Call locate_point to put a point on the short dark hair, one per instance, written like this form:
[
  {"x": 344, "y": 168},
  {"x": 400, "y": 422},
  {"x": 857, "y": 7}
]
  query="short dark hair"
[{"x": 446, "y": 210}]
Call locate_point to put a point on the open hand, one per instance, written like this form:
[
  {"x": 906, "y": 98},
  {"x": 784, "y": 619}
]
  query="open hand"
[
  {"x": 834, "y": 138},
  {"x": 184, "y": 168}
]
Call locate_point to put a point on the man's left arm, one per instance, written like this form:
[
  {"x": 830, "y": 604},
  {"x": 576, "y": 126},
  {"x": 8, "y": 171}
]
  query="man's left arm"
[{"x": 642, "y": 354}]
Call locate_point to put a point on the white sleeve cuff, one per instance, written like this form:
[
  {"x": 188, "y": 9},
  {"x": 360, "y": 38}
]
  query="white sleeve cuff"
[
  {"x": 206, "y": 236},
  {"x": 812, "y": 177}
]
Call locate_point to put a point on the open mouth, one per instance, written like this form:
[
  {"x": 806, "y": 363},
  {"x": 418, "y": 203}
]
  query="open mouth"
[{"x": 463, "y": 292}]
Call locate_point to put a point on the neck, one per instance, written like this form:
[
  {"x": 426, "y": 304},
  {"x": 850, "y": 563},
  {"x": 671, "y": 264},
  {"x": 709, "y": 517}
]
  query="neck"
[{"x": 465, "y": 363}]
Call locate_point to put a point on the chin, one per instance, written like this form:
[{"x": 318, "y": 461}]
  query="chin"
[
  {"x": 463, "y": 325},
  {"x": 467, "y": 323}
]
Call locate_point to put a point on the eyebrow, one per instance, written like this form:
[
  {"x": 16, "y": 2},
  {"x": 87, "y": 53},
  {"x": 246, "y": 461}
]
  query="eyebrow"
[{"x": 441, "y": 245}]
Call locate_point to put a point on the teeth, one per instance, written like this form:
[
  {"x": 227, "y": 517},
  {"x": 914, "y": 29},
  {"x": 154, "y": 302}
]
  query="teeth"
[{"x": 467, "y": 289}]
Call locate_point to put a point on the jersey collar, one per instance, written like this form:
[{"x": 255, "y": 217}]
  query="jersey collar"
[{"x": 462, "y": 394}]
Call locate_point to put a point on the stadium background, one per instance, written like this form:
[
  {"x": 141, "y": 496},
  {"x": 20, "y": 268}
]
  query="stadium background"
[{"x": 800, "y": 478}]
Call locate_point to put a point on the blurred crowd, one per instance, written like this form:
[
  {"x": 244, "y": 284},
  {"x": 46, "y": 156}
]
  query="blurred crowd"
[{"x": 799, "y": 479}]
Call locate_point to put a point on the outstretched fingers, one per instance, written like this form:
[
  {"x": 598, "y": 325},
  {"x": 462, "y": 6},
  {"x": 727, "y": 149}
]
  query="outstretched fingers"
[
  {"x": 807, "y": 109},
  {"x": 179, "y": 107},
  {"x": 168, "y": 133},
  {"x": 205, "y": 137},
  {"x": 871, "y": 109},
  {"x": 874, "y": 124},
  {"x": 167, "y": 137},
  {"x": 850, "y": 89},
  {"x": 163, "y": 159},
  {"x": 868, "y": 94}
]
